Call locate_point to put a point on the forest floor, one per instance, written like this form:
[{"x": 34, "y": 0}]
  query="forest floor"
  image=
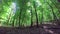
[{"x": 43, "y": 29}]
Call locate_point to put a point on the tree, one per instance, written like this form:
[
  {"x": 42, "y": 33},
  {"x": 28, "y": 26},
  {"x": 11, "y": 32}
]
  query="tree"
[
  {"x": 31, "y": 18},
  {"x": 28, "y": 12},
  {"x": 34, "y": 4}
]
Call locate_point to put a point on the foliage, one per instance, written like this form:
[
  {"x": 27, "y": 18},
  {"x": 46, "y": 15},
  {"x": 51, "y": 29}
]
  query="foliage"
[{"x": 22, "y": 12}]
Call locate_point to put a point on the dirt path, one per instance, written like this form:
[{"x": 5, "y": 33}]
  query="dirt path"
[{"x": 45, "y": 29}]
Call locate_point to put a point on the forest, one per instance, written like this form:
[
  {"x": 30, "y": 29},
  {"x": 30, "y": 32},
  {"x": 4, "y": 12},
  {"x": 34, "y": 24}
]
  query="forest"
[
  {"x": 19, "y": 13},
  {"x": 29, "y": 13}
]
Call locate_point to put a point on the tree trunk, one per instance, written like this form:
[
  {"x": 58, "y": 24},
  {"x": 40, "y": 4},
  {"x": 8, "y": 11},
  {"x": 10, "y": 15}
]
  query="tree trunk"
[
  {"x": 56, "y": 7},
  {"x": 20, "y": 17},
  {"x": 55, "y": 17},
  {"x": 36, "y": 18},
  {"x": 31, "y": 18},
  {"x": 13, "y": 23},
  {"x": 36, "y": 14},
  {"x": 42, "y": 17}
]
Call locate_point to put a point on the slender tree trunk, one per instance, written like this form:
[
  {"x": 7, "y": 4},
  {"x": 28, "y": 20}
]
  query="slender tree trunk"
[
  {"x": 20, "y": 17},
  {"x": 54, "y": 14},
  {"x": 13, "y": 23},
  {"x": 52, "y": 11},
  {"x": 55, "y": 17},
  {"x": 31, "y": 18},
  {"x": 8, "y": 18},
  {"x": 42, "y": 17},
  {"x": 36, "y": 18},
  {"x": 56, "y": 7},
  {"x": 36, "y": 14}
]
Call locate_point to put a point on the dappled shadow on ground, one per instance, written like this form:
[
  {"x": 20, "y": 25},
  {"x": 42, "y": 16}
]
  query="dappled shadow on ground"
[
  {"x": 52, "y": 29},
  {"x": 43, "y": 29}
]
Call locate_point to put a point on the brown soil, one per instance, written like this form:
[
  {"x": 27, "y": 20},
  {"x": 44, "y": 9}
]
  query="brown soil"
[{"x": 42, "y": 29}]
